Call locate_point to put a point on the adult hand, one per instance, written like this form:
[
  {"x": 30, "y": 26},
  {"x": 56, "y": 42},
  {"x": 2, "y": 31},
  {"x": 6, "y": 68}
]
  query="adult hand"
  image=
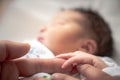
[
  {"x": 11, "y": 67},
  {"x": 88, "y": 71},
  {"x": 10, "y": 50}
]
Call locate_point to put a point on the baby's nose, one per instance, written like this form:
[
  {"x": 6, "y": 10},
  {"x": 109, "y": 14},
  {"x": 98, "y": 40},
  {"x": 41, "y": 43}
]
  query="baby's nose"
[{"x": 42, "y": 29}]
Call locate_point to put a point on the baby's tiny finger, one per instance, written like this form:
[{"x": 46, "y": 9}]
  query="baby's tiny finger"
[
  {"x": 65, "y": 56},
  {"x": 70, "y": 62}
]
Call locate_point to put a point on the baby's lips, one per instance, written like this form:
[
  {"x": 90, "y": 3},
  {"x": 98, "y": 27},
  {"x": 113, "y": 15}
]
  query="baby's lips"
[{"x": 40, "y": 39}]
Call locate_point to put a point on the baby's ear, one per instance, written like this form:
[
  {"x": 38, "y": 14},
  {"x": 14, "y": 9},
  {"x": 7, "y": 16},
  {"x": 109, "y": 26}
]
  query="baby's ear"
[{"x": 89, "y": 46}]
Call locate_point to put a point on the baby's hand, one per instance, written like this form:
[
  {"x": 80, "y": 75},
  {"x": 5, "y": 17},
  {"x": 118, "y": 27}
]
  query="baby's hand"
[{"x": 79, "y": 58}]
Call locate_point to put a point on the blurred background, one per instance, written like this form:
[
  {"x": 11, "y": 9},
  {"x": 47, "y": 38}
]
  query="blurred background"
[{"x": 21, "y": 19}]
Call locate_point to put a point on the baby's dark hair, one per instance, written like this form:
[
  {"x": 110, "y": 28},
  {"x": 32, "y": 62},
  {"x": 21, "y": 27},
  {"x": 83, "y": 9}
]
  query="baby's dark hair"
[{"x": 100, "y": 29}]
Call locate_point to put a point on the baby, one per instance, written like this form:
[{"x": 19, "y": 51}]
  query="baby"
[{"x": 74, "y": 30}]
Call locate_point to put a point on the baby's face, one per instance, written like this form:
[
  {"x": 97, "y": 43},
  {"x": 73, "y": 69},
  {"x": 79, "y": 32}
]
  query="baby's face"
[{"x": 62, "y": 33}]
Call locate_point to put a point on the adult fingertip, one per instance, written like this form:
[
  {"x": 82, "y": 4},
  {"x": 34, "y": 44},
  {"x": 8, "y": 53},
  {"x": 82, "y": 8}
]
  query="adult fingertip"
[
  {"x": 27, "y": 46},
  {"x": 12, "y": 50},
  {"x": 18, "y": 49}
]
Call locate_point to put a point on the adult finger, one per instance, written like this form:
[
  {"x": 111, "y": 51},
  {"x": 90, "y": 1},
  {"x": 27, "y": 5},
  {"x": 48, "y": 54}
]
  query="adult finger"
[
  {"x": 27, "y": 67},
  {"x": 11, "y": 50},
  {"x": 9, "y": 71},
  {"x": 60, "y": 76},
  {"x": 92, "y": 73}
]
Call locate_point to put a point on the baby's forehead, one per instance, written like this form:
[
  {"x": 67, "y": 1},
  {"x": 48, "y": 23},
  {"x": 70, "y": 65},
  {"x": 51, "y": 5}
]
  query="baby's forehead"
[{"x": 68, "y": 14}]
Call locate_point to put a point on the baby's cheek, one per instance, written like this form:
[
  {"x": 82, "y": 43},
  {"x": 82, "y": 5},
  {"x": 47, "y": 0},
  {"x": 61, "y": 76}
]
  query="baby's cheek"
[{"x": 50, "y": 40}]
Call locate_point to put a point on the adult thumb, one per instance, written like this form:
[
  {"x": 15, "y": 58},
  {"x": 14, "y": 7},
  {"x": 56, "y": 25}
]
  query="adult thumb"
[
  {"x": 92, "y": 73},
  {"x": 12, "y": 50}
]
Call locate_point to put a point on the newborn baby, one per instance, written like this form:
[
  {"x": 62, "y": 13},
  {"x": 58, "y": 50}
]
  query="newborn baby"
[{"x": 74, "y": 30}]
